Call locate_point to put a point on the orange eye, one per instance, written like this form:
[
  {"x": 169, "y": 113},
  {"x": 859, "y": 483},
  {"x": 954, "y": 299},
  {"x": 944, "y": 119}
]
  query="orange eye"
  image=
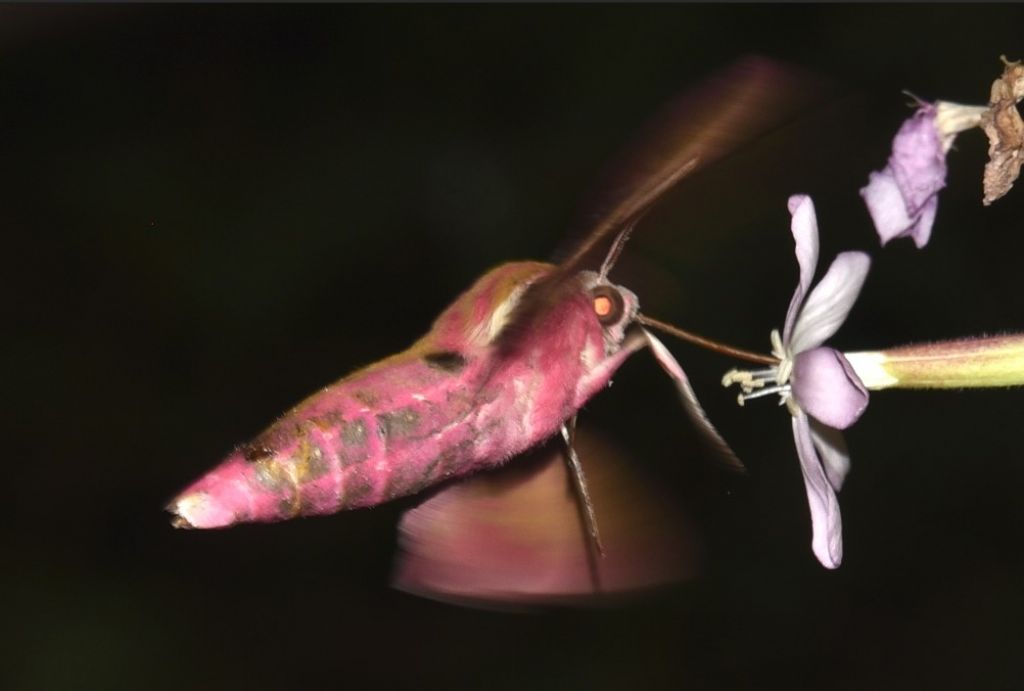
[{"x": 607, "y": 304}]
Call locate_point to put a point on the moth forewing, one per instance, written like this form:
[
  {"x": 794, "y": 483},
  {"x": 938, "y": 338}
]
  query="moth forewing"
[{"x": 734, "y": 107}]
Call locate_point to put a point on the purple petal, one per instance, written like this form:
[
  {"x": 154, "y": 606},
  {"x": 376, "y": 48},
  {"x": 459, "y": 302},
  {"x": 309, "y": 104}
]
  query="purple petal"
[
  {"x": 805, "y": 234},
  {"x": 826, "y": 523},
  {"x": 922, "y": 230},
  {"x": 918, "y": 161},
  {"x": 830, "y": 302},
  {"x": 889, "y": 210},
  {"x": 833, "y": 452},
  {"x": 827, "y": 388}
]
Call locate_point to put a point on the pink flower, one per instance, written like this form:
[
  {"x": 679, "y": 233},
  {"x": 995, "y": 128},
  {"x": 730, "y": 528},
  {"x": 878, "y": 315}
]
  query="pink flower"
[
  {"x": 902, "y": 198},
  {"x": 817, "y": 384}
]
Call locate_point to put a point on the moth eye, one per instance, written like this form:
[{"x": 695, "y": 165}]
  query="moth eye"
[{"x": 607, "y": 304}]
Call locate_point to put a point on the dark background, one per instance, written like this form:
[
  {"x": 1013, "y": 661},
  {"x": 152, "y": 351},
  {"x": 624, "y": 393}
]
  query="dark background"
[{"x": 209, "y": 212}]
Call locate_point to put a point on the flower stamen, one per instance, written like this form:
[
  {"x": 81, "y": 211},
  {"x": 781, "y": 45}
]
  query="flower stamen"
[{"x": 759, "y": 383}]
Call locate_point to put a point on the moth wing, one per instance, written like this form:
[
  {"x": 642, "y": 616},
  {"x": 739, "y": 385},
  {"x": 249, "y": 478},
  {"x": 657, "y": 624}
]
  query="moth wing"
[
  {"x": 515, "y": 537},
  {"x": 733, "y": 108},
  {"x": 739, "y": 104}
]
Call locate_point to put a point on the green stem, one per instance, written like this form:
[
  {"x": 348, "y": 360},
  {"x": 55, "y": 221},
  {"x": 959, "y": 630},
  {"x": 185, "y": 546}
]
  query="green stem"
[{"x": 992, "y": 361}]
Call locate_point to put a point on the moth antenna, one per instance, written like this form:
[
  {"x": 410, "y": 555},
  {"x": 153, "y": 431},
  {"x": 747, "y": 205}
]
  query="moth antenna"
[
  {"x": 616, "y": 249},
  {"x": 645, "y": 206}
]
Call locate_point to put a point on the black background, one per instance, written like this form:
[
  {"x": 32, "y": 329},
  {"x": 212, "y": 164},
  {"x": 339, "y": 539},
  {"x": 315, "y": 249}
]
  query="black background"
[{"x": 209, "y": 212}]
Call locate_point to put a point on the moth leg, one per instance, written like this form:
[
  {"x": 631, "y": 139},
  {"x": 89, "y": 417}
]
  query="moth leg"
[{"x": 579, "y": 482}]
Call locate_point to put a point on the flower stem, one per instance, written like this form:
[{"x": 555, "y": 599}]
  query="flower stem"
[
  {"x": 707, "y": 343},
  {"x": 992, "y": 361}
]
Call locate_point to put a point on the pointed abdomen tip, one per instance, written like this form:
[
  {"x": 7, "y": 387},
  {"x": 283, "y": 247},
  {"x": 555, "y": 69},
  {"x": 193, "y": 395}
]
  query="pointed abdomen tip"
[{"x": 200, "y": 510}]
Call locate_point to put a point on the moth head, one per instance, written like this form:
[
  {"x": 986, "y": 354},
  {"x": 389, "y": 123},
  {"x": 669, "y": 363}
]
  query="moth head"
[{"x": 614, "y": 307}]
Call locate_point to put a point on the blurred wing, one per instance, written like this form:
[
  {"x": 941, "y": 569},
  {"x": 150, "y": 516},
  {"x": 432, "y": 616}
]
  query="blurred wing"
[
  {"x": 514, "y": 536},
  {"x": 741, "y": 103},
  {"x": 738, "y": 105}
]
